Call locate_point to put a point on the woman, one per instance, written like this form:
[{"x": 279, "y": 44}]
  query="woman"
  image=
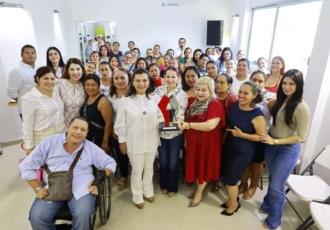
[
  {"x": 155, "y": 79},
  {"x": 172, "y": 102},
  {"x": 197, "y": 53},
  {"x": 137, "y": 129},
  {"x": 291, "y": 117},
  {"x": 239, "y": 55},
  {"x": 55, "y": 61},
  {"x": 141, "y": 63},
  {"x": 71, "y": 88},
  {"x": 254, "y": 171},
  {"x": 127, "y": 64},
  {"x": 203, "y": 59},
  {"x": 277, "y": 69},
  {"x": 212, "y": 69},
  {"x": 246, "y": 122},
  {"x": 190, "y": 77},
  {"x": 225, "y": 55},
  {"x": 98, "y": 112},
  {"x": 170, "y": 52},
  {"x": 135, "y": 54},
  {"x": 222, "y": 90},
  {"x": 186, "y": 60},
  {"x": 166, "y": 64},
  {"x": 109, "y": 46},
  {"x": 208, "y": 51},
  {"x": 230, "y": 67},
  {"x": 42, "y": 110},
  {"x": 105, "y": 78},
  {"x": 262, "y": 64},
  {"x": 205, "y": 118},
  {"x": 120, "y": 83},
  {"x": 242, "y": 75},
  {"x": 104, "y": 53},
  {"x": 90, "y": 67},
  {"x": 96, "y": 59},
  {"x": 114, "y": 62}
]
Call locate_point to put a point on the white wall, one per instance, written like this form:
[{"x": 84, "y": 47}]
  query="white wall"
[
  {"x": 34, "y": 27},
  {"x": 147, "y": 22}
]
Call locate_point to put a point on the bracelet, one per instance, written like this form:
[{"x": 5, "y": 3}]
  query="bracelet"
[
  {"x": 276, "y": 142},
  {"x": 37, "y": 189},
  {"x": 188, "y": 125}
]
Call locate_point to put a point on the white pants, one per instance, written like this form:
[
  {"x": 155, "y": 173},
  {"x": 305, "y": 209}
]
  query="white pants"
[{"x": 141, "y": 176}]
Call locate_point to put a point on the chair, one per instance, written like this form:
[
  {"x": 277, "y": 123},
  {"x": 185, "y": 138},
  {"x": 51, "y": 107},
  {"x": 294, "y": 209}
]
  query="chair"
[
  {"x": 102, "y": 203},
  {"x": 320, "y": 214},
  {"x": 310, "y": 187}
]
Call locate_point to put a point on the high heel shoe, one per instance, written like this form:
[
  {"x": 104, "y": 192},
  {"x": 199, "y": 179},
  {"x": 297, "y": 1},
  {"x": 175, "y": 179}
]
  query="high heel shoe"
[
  {"x": 226, "y": 213},
  {"x": 193, "y": 204},
  {"x": 224, "y": 205}
]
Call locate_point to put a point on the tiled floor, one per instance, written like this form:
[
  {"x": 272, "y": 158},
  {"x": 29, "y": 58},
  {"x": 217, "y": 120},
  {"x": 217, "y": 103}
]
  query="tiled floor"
[{"x": 165, "y": 214}]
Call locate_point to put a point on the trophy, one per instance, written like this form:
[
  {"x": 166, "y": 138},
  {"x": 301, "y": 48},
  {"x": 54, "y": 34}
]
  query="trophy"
[{"x": 169, "y": 106}]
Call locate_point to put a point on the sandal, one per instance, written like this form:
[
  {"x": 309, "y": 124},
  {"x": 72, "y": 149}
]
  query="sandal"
[{"x": 249, "y": 193}]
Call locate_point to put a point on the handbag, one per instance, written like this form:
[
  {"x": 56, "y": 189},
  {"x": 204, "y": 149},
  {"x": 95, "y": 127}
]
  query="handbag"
[{"x": 60, "y": 182}]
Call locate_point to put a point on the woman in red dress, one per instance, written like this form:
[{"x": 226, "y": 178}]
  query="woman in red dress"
[{"x": 205, "y": 117}]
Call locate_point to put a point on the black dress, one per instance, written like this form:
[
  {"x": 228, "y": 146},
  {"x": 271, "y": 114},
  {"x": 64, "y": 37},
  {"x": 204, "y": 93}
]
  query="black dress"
[
  {"x": 96, "y": 122},
  {"x": 239, "y": 152}
]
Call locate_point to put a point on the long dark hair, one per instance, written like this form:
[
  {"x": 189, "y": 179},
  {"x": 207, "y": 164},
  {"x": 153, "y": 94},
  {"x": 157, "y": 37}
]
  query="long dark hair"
[
  {"x": 185, "y": 86},
  {"x": 221, "y": 59},
  {"x": 193, "y": 58},
  {"x": 74, "y": 61},
  {"x": 49, "y": 64},
  {"x": 132, "y": 90},
  {"x": 294, "y": 100}
]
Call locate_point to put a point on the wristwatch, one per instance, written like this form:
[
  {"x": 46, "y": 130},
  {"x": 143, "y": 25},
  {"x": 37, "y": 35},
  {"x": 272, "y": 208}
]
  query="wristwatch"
[{"x": 37, "y": 189}]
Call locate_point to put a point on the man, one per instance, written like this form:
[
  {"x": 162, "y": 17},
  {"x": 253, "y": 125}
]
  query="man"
[
  {"x": 21, "y": 79},
  {"x": 179, "y": 53},
  {"x": 116, "y": 51},
  {"x": 131, "y": 46},
  {"x": 99, "y": 41},
  {"x": 58, "y": 152}
]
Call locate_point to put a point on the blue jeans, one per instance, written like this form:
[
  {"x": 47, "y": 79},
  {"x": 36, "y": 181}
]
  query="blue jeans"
[
  {"x": 42, "y": 213},
  {"x": 169, "y": 153},
  {"x": 281, "y": 160}
]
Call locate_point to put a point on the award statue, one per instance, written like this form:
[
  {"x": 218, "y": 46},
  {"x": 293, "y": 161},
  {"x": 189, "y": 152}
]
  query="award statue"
[{"x": 168, "y": 106}]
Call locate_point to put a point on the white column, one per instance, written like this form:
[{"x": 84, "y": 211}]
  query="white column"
[{"x": 317, "y": 88}]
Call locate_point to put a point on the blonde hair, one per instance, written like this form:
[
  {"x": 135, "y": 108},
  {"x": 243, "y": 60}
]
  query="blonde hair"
[{"x": 209, "y": 82}]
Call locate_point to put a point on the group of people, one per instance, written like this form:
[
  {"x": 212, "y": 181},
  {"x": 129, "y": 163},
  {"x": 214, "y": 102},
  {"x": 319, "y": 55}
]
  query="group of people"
[{"x": 226, "y": 121}]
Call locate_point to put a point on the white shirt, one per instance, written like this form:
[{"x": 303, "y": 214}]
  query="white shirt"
[
  {"x": 42, "y": 116},
  {"x": 73, "y": 97},
  {"x": 116, "y": 102},
  {"x": 236, "y": 85},
  {"x": 105, "y": 89},
  {"x": 181, "y": 98},
  {"x": 137, "y": 124},
  {"x": 20, "y": 81}
]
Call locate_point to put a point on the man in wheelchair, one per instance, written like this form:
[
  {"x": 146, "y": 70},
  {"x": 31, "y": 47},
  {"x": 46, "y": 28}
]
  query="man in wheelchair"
[{"x": 59, "y": 153}]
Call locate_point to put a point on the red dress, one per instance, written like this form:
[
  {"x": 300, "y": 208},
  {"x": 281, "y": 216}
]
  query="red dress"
[{"x": 204, "y": 148}]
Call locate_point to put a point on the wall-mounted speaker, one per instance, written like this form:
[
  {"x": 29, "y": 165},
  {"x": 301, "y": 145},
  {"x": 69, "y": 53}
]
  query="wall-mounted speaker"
[{"x": 214, "y": 33}]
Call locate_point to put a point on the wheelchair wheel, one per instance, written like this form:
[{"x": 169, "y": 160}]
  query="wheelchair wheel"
[{"x": 105, "y": 200}]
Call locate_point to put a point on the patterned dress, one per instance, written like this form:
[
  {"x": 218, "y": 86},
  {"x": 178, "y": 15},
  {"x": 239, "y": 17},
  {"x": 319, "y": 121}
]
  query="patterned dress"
[{"x": 73, "y": 96}]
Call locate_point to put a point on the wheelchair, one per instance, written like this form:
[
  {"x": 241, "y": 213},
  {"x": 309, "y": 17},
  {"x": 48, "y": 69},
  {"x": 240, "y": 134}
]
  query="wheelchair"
[{"x": 102, "y": 204}]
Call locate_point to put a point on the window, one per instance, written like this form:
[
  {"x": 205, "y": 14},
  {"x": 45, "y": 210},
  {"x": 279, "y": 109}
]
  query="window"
[{"x": 284, "y": 30}]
